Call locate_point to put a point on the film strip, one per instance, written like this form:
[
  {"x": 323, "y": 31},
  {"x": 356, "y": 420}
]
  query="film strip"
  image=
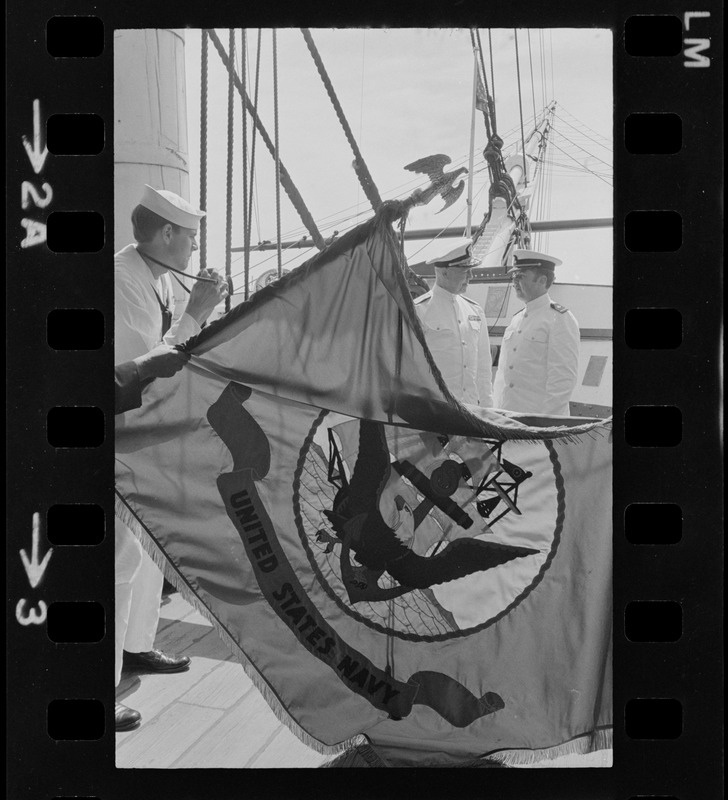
[{"x": 667, "y": 395}]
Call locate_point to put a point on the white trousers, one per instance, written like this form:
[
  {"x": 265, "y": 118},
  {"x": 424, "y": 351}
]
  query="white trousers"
[{"x": 138, "y": 593}]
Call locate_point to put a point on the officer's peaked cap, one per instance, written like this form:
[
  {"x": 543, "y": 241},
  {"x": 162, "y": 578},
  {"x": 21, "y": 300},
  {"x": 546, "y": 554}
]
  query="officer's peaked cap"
[
  {"x": 530, "y": 259},
  {"x": 460, "y": 256}
]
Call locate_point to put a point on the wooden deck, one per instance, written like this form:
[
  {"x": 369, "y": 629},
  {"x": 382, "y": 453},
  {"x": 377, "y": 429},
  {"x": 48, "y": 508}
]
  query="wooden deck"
[
  {"x": 209, "y": 716},
  {"x": 213, "y": 716}
]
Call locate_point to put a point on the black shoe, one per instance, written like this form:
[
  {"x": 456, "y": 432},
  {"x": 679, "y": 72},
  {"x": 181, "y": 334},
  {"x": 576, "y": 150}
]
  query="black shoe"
[
  {"x": 125, "y": 718},
  {"x": 155, "y": 661}
]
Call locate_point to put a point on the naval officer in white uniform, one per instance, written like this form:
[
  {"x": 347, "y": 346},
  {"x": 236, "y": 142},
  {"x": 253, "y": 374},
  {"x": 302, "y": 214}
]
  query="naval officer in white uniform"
[
  {"x": 456, "y": 329},
  {"x": 539, "y": 358}
]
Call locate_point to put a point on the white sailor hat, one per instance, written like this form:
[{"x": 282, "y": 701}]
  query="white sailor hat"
[
  {"x": 460, "y": 256},
  {"x": 171, "y": 206},
  {"x": 530, "y": 259}
]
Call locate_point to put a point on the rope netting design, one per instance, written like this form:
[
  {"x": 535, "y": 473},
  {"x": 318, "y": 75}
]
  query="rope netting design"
[{"x": 416, "y": 613}]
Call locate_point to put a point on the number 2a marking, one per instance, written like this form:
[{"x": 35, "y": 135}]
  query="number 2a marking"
[
  {"x": 29, "y": 194},
  {"x": 32, "y": 617}
]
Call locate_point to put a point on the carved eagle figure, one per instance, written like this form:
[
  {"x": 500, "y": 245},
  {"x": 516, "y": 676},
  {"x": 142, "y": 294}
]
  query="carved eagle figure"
[{"x": 442, "y": 183}]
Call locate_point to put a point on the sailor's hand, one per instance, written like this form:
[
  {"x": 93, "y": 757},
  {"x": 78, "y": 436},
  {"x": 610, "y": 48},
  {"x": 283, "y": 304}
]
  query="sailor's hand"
[
  {"x": 205, "y": 295},
  {"x": 162, "y": 362}
]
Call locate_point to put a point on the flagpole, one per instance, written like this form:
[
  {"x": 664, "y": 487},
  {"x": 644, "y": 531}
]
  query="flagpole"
[{"x": 472, "y": 144}]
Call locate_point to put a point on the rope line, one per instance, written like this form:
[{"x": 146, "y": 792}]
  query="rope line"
[
  {"x": 486, "y": 116},
  {"x": 278, "y": 152},
  {"x": 492, "y": 73},
  {"x": 361, "y": 103},
  {"x": 229, "y": 176},
  {"x": 584, "y": 150},
  {"x": 246, "y": 224},
  {"x": 583, "y": 124},
  {"x": 253, "y": 177},
  {"x": 583, "y": 166},
  {"x": 362, "y": 172},
  {"x": 285, "y": 178},
  {"x": 586, "y": 135},
  {"x": 203, "y": 147},
  {"x": 520, "y": 107},
  {"x": 551, "y": 53},
  {"x": 530, "y": 61},
  {"x": 542, "y": 62}
]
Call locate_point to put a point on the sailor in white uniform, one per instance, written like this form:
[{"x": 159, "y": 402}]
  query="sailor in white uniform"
[
  {"x": 165, "y": 229},
  {"x": 456, "y": 329},
  {"x": 539, "y": 359}
]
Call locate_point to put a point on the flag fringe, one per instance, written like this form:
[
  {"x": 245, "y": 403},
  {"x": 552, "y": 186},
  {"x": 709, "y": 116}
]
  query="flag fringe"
[
  {"x": 363, "y": 755},
  {"x": 600, "y": 739},
  {"x": 351, "y": 752},
  {"x": 132, "y": 521}
]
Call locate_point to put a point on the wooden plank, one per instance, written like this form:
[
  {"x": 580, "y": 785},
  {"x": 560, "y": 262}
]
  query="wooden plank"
[
  {"x": 239, "y": 730},
  {"x": 150, "y": 694},
  {"x": 237, "y": 738},
  {"x": 223, "y": 687},
  {"x": 194, "y": 617},
  {"x": 174, "y": 609},
  {"x": 284, "y": 749},
  {"x": 193, "y": 639},
  {"x": 163, "y": 740}
]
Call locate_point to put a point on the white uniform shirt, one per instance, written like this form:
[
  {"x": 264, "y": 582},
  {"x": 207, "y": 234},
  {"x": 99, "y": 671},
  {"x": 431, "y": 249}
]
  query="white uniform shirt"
[
  {"x": 137, "y": 315},
  {"x": 539, "y": 359},
  {"x": 456, "y": 332}
]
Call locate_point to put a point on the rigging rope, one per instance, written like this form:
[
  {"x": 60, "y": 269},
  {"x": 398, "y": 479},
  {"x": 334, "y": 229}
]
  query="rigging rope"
[
  {"x": 285, "y": 178},
  {"x": 584, "y": 150},
  {"x": 520, "y": 106},
  {"x": 488, "y": 108},
  {"x": 489, "y": 96},
  {"x": 551, "y": 53},
  {"x": 492, "y": 73},
  {"x": 203, "y": 148},
  {"x": 255, "y": 138},
  {"x": 547, "y": 198},
  {"x": 584, "y": 166},
  {"x": 533, "y": 88},
  {"x": 362, "y": 173},
  {"x": 596, "y": 133},
  {"x": 246, "y": 224},
  {"x": 361, "y": 99},
  {"x": 586, "y": 135},
  {"x": 229, "y": 181},
  {"x": 278, "y": 152},
  {"x": 543, "y": 69}
]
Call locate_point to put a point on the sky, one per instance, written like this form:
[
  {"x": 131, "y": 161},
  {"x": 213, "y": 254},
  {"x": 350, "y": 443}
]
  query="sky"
[{"x": 407, "y": 93}]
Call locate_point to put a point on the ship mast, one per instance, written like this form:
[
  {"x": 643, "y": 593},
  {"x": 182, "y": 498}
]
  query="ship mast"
[
  {"x": 472, "y": 140},
  {"x": 513, "y": 181}
]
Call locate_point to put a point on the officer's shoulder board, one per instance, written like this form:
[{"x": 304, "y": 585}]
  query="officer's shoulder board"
[
  {"x": 471, "y": 301},
  {"x": 520, "y": 311},
  {"x": 423, "y": 298},
  {"x": 558, "y": 307}
]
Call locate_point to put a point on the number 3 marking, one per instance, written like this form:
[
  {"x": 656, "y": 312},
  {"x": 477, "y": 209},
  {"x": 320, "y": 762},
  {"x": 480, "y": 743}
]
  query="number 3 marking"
[{"x": 33, "y": 617}]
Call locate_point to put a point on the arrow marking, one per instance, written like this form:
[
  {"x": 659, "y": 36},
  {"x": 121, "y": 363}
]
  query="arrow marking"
[
  {"x": 33, "y": 567},
  {"x": 36, "y": 153}
]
